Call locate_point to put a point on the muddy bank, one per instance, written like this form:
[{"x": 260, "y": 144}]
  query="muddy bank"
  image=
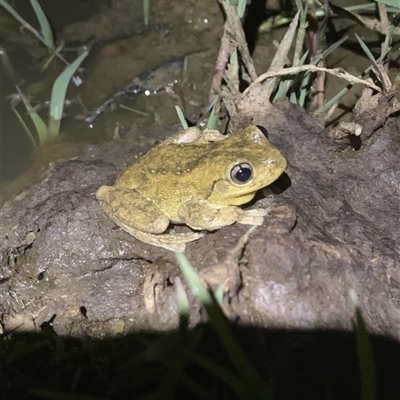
[{"x": 332, "y": 229}]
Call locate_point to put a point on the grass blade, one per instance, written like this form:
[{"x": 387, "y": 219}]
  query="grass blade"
[
  {"x": 58, "y": 95},
  {"x": 341, "y": 93},
  {"x": 31, "y": 29},
  {"x": 287, "y": 83},
  {"x": 279, "y": 59},
  {"x": 193, "y": 279},
  {"x": 183, "y": 305},
  {"x": 241, "y": 7},
  {"x": 212, "y": 120},
  {"x": 364, "y": 353},
  {"x": 365, "y": 360},
  {"x": 146, "y": 11},
  {"x": 181, "y": 117},
  {"x": 44, "y": 24},
  {"x": 249, "y": 374},
  {"x": 333, "y": 47},
  {"x": 40, "y": 125},
  {"x": 27, "y": 130},
  {"x": 393, "y": 3},
  {"x": 222, "y": 373},
  {"x": 234, "y": 62},
  {"x": 367, "y": 51},
  {"x": 25, "y": 24}
]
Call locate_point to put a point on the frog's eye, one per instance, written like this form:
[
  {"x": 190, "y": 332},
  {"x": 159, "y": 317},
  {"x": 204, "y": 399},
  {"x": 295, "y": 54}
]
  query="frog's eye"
[{"x": 241, "y": 173}]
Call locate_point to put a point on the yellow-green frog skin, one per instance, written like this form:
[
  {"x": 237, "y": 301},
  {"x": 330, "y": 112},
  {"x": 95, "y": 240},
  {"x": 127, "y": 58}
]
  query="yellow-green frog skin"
[{"x": 197, "y": 178}]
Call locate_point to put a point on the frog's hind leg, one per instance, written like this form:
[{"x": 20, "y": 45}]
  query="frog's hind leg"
[
  {"x": 129, "y": 208},
  {"x": 141, "y": 218}
]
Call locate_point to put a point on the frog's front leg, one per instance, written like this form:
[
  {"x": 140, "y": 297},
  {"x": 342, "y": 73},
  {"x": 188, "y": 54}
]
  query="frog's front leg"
[
  {"x": 204, "y": 214},
  {"x": 141, "y": 218}
]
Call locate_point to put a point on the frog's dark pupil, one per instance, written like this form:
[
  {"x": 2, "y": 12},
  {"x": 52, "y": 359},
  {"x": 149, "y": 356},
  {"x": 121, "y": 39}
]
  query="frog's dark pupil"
[{"x": 243, "y": 174}]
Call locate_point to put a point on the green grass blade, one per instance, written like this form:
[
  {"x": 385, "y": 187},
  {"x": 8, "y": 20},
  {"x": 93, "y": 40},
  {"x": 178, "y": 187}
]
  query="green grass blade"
[
  {"x": 222, "y": 373},
  {"x": 44, "y": 24},
  {"x": 335, "y": 45},
  {"x": 299, "y": 6},
  {"x": 40, "y": 125},
  {"x": 280, "y": 56},
  {"x": 321, "y": 32},
  {"x": 303, "y": 59},
  {"x": 293, "y": 98},
  {"x": 365, "y": 355},
  {"x": 304, "y": 91},
  {"x": 365, "y": 360},
  {"x": 29, "y": 28},
  {"x": 241, "y": 7},
  {"x": 27, "y": 130},
  {"x": 219, "y": 294},
  {"x": 193, "y": 279},
  {"x": 181, "y": 117},
  {"x": 212, "y": 120},
  {"x": 301, "y": 31},
  {"x": 392, "y": 3},
  {"x": 58, "y": 94},
  {"x": 305, "y": 84},
  {"x": 341, "y": 93},
  {"x": 244, "y": 367},
  {"x": 146, "y": 11},
  {"x": 363, "y": 7},
  {"x": 282, "y": 89},
  {"x": 285, "y": 84},
  {"x": 183, "y": 305},
  {"x": 367, "y": 51},
  {"x": 55, "y": 53},
  {"x": 25, "y": 24},
  {"x": 234, "y": 62}
]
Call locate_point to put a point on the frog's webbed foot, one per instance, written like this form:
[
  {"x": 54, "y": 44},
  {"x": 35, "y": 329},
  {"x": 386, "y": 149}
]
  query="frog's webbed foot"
[
  {"x": 194, "y": 134},
  {"x": 170, "y": 241},
  {"x": 254, "y": 216},
  {"x": 141, "y": 218},
  {"x": 189, "y": 135},
  {"x": 211, "y": 135}
]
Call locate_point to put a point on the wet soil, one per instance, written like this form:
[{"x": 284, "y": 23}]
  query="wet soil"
[
  {"x": 332, "y": 230},
  {"x": 337, "y": 211}
]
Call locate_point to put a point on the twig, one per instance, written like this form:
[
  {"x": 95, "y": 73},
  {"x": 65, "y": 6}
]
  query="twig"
[{"x": 339, "y": 72}]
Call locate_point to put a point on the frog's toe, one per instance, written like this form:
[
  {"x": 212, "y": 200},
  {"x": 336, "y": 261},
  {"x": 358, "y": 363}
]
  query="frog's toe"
[
  {"x": 177, "y": 241},
  {"x": 252, "y": 217}
]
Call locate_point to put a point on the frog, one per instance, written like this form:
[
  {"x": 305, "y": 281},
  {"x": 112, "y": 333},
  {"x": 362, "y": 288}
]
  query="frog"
[{"x": 198, "y": 178}]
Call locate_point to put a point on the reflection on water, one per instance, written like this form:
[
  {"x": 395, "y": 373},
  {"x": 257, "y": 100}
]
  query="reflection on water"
[
  {"x": 15, "y": 146},
  {"x": 122, "y": 50},
  {"x": 16, "y": 150}
]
